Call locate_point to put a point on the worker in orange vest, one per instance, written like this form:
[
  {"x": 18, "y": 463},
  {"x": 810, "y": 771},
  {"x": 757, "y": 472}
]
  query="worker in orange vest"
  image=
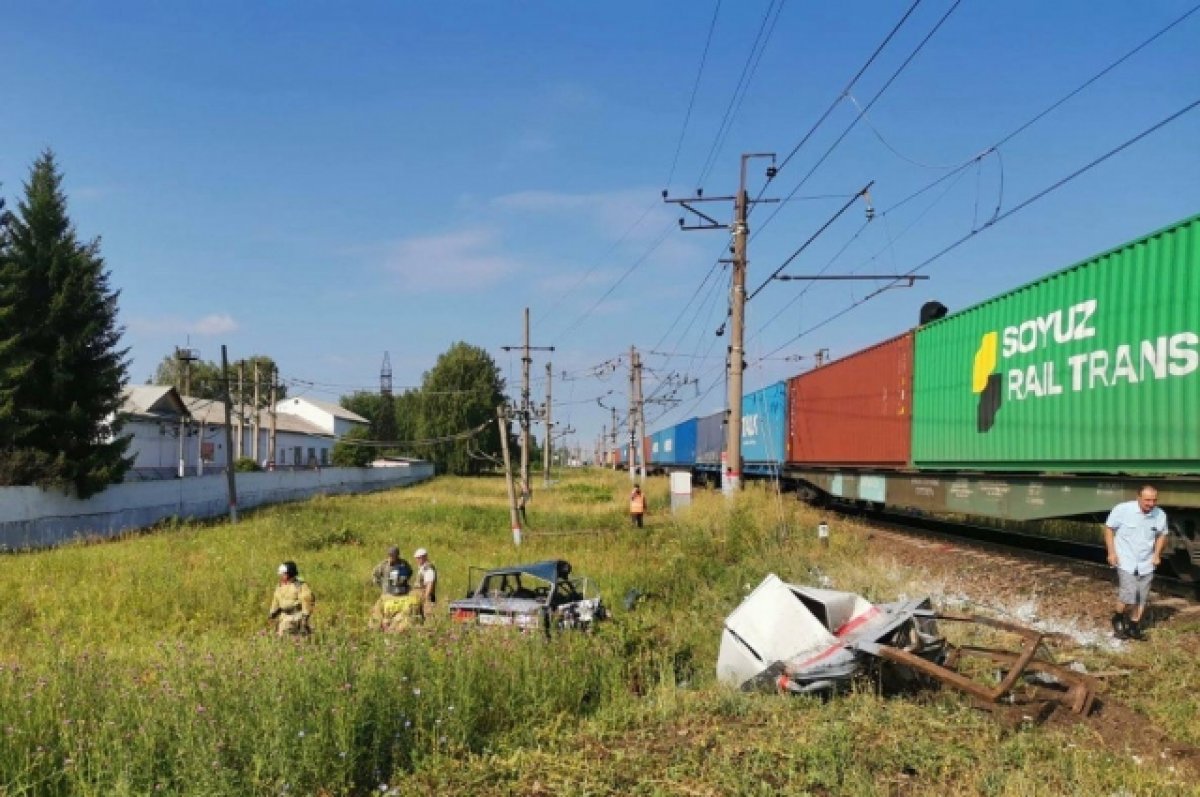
[{"x": 637, "y": 506}]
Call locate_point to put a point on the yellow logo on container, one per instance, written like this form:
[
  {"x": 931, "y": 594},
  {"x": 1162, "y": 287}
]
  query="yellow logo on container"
[{"x": 986, "y": 381}]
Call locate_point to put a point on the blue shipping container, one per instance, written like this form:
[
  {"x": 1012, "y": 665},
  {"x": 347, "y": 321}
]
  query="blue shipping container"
[
  {"x": 710, "y": 439},
  {"x": 685, "y": 442},
  {"x": 661, "y": 447},
  {"x": 764, "y": 424}
]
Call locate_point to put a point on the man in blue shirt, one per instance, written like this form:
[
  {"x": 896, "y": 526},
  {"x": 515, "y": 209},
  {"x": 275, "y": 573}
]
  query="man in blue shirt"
[{"x": 1135, "y": 535}]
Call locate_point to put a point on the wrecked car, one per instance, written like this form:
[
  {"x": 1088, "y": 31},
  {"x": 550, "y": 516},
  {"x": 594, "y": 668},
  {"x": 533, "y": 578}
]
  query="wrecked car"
[
  {"x": 804, "y": 640},
  {"x": 541, "y": 595}
]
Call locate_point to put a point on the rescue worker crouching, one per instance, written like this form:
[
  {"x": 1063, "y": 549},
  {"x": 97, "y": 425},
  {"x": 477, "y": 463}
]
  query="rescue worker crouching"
[
  {"x": 292, "y": 605},
  {"x": 397, "y": 607}
]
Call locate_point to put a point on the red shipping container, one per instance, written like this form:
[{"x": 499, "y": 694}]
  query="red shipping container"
[{"x": 854, "y": 411}]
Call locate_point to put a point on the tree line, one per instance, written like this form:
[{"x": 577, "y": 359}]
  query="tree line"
[
  {"x": 62, "y": 367},
  {"x": 457, "y": 396}
]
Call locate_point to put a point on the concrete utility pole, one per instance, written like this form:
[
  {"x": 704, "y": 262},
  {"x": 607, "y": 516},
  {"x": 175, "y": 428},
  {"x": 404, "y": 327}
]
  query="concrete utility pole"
[
  {"x": 634, "y": 442},
  {"x": 641, "y": 415},
  {"x": 549, "y": 433},
  {"x": 731, "y": 480},
  {"x": 186, "y": 356},
  {"x": 615, "y": 450},
  {"x": 525, "y": 412},
  {"x": 239, "y": 443},
  {"x": 255, "y": 423},
  {"x": 271, "y": 458},
  {"x": 233, "y": 516},
  {"x": 513, "y": 515}
]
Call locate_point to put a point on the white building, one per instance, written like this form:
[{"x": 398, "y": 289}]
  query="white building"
[
  {"x": 168, "y": 429},
  {"x": 155, "y": 416},
  {"x": 331, "y": 418}
]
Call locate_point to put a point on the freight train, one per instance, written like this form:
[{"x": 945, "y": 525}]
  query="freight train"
[{"x": 1054, "y": 400}]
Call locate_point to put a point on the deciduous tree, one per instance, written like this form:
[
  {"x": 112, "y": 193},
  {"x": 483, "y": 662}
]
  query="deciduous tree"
[{"x": 459, "y": 394}]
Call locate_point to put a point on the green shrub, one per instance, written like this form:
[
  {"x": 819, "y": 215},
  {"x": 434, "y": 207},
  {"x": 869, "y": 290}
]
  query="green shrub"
[{"x": 246, "y": 465}]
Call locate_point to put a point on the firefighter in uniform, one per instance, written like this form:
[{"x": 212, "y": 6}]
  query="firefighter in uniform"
[
  {"x": 397, "y": 608},
  {"x": 293, "y": 603}
]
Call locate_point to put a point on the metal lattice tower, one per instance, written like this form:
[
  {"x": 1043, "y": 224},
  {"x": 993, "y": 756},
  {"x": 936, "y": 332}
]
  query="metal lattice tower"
[{"x": 385, "y": 376}]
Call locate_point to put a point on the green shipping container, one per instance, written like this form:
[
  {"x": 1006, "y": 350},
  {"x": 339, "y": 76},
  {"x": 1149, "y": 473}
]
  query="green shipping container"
[{"x": 1095, "y": 368}]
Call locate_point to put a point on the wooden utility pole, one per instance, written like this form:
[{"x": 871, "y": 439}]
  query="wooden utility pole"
[
  {"x": 233, "y": 517},
  {"x": 731, "y": 475},
  {"x": 513, "y": 516},
  {"x": 525, "y": 411},
  {"x": 549, "y": 433},
  {"x": 255, "y": 423}
]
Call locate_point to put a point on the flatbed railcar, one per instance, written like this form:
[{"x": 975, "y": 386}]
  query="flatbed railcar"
[{"x": 1055, "y": 400}]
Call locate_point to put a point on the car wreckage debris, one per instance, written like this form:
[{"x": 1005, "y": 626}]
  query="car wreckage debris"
[{"x": 806, "y": 640}]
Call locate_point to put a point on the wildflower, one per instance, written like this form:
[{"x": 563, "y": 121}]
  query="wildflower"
[
  {"x": 300, "y": 734},
  {"x": 383, "y": 787},
  {"x": 417, "y": 692}
]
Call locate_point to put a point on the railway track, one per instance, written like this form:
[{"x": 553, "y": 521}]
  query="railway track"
[{"x": 1083, "y": 559}]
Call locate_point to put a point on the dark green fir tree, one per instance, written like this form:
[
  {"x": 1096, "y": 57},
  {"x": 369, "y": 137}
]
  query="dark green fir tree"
[{"x": 61, "y": 366}]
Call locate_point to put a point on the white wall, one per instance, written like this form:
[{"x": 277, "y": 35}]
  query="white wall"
[
  {"x": 153, "y": 445},
  {"x": 31, "y": 517}
]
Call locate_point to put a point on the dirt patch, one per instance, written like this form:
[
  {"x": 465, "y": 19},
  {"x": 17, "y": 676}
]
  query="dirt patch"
[
  {"x": 1072, "y": 605},
  {"x": 1061, "y": 599}
]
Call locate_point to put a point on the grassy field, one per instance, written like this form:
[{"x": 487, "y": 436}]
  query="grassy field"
[{"x": 144, "y": 666}]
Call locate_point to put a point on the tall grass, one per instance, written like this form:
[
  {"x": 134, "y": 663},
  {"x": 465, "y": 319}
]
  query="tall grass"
[{"x": 144, "y": 666}]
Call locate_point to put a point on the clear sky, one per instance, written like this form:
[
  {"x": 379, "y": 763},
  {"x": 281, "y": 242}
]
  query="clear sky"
[{"x": 323, "y": 182}]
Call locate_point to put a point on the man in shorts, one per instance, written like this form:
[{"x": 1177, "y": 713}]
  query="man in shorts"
[{"x": 1135, "y": 535}]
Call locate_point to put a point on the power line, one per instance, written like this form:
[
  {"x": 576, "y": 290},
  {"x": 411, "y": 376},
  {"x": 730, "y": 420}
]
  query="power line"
[
  {"x": 956, "y": 174},
  {"x": 812, "y": 238},
  {"x": 895, "y": 29},
  {"x": 749, "y": 68},
  {"x": 896, "y": 74},
  {"x": 600, "y": 260},
  {"x": 695, "y": 87},
  {"x": 575, "y": 324},
  {"x": 992, "y": 222}
]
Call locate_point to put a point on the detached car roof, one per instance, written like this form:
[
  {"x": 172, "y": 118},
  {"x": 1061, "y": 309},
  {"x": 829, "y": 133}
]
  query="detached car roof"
[{"x": 547, "y": 570}]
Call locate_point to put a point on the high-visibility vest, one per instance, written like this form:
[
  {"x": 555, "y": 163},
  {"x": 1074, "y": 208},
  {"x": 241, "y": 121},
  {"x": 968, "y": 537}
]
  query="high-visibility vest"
[{"x": 637, "y": 503}]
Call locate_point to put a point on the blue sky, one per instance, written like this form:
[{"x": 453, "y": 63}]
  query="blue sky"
[{"x": 323, "y": 182}]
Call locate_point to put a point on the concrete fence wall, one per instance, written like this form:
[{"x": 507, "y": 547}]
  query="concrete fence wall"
[{"x": 31, "y": 517}]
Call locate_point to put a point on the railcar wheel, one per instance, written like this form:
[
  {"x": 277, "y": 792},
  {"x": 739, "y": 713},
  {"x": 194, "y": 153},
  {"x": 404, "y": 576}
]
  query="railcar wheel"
[{"x": 1184, "y": 562}]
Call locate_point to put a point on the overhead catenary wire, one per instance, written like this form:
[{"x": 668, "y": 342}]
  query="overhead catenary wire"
[
  {"x": 1001, "y": 217},
  {"x": 687, "y": 117},
  {"x": 765, "y": 29},
  {"x": 952, "y": 177},
  {"x": 625, "y": 275},
  {"x": 854, "y": 122},
  {"x": 850, "y": 85},
  {"x": 450, "y": 438}
]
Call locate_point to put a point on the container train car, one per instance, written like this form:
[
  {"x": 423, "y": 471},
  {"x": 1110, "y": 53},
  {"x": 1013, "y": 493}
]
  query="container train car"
[{"x": 1054, "y": 400}]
